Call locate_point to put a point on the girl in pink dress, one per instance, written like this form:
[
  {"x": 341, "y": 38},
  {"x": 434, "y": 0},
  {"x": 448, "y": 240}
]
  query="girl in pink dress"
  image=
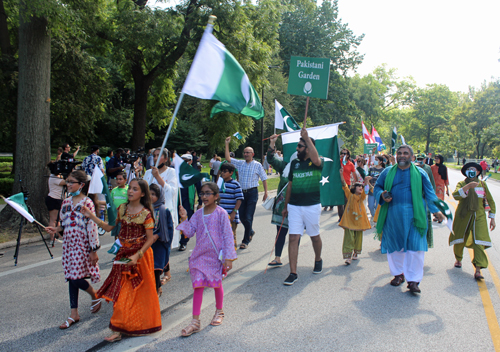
[{"x": 213, "y": 253}]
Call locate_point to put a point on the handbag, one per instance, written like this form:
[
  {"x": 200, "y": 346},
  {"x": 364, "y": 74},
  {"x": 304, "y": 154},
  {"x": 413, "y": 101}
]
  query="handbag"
[
  {"x": 269, "y": 203},
  {"x": 218, "y": 253}
]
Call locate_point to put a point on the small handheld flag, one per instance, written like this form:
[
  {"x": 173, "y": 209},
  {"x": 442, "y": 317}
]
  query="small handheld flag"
[
  {"x": 237, "y": 135},
  {"x": 283, "y": 120},
  {"x": 186, "y": 174},
  {"x": 17, "y": 202}
]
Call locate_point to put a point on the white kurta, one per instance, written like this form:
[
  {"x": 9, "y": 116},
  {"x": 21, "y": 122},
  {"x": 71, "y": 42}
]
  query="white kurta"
[{"x": 171, "y": 190}]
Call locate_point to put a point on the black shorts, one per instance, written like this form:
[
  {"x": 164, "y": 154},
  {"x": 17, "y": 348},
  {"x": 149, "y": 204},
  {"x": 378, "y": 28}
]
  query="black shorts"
[{"x": 53, "y": 204}]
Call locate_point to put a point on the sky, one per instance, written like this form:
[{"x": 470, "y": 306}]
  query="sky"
[{"x": 456, "y": 43}]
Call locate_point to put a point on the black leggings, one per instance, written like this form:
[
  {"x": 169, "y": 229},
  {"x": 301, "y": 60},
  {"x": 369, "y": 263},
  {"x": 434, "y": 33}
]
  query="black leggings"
[
  {"x": 157, "y": 278},
  {"x": 74, "y": 285}
]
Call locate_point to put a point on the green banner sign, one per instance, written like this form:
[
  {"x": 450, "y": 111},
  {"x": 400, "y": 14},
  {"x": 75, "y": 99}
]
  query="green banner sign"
[
  {"x": 309, "y": 76},
  {"x": 368, "y": 149}
]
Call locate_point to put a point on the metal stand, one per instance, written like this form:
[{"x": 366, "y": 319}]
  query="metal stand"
[
  {"x": 21, "y": 224},
  {"x": 16, "y": 254}
]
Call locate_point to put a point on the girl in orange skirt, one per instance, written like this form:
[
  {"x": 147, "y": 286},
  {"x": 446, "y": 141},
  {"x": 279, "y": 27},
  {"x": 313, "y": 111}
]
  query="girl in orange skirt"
[{"x": 131, "y": 283}]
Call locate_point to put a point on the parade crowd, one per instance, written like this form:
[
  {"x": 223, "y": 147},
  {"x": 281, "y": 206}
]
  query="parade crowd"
[{"x": 400, "y": 195}]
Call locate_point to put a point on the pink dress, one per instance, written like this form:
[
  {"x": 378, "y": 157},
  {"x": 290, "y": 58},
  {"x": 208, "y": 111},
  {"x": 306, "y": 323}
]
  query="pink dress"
[
  {"x": 205, "y": 267},
  {"x": 79, "y": 237}
]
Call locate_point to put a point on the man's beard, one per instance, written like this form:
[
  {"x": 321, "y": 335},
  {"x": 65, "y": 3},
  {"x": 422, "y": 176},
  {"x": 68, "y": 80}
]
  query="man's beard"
[
  {"x": 404, "y": 163},
  {"x": 302, "y": 154}
]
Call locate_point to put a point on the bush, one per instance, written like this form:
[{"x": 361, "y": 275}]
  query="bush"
[
  {"x": 6, "y": 159},
  {"x": 6, "y": 174},
  {"x": 6, "y": 186}
]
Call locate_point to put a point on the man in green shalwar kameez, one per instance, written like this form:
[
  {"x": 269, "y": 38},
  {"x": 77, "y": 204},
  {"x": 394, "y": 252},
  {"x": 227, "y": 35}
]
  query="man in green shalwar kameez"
[{"x": 470, "y": 227}]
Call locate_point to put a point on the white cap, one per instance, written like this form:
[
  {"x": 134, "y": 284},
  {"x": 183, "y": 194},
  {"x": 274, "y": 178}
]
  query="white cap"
[{"x": 187, "y": 156}]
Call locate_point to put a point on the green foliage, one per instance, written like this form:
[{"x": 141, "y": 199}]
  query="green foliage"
[{"x": 6, "y": 159}]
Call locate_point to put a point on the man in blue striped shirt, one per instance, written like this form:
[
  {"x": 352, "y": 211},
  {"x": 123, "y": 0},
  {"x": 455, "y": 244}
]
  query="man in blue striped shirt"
[
  {"x": 249, "y": 171},
  {"x": 230, "y": 196}
]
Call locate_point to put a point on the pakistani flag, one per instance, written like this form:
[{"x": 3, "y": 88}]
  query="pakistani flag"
[
  {"x": 237, "y": 135},
  {"x": 402, "y": 140},
  {"x": 215, "y": 74},
  {"x": 394, "y": 139},
  {"x": 327, "y": 145},
  {"x": 17, "y": 202},
  {"x": 186, "y": 174},
  {"x": 283, "y": 120},
  {"x": 98, "y": 185}
]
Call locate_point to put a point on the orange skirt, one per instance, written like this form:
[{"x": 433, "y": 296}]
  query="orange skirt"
[{"x": 137, "y": 312}]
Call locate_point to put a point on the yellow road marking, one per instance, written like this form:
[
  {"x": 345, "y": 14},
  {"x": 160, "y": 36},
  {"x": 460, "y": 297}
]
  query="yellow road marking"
[
  {"x": 494, "y": 275},
  {"x": 489, "y": 311}
]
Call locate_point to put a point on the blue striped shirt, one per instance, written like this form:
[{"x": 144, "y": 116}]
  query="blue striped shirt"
[
  {"x": 230, "y": 192},
  {"x": 249, "y": 173}
]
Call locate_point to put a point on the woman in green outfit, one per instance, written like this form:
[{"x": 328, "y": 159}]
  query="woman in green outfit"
[{"x": 470, "y": 227}]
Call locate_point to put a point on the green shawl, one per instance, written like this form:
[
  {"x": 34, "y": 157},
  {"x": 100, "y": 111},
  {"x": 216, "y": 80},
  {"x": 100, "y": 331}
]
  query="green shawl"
[{"x": 419, "y": 213}]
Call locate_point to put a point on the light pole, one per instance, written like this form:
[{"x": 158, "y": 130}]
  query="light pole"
[{"x": 262, "y": 126}]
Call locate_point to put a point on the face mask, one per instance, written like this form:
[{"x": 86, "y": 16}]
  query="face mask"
[
  {"x": 74, "y": 194},
  {"x": 375, "y": 162},
  {"x": 470, "y": 173}
]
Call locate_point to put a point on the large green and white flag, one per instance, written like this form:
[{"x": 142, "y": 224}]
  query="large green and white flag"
[
  {"x": 327, "y": 145},
  {"x": 99, "y": 185},
  {"x": 215, "y": 74},
  {"x": 283, "y": 120},
  {"x": 186, "y": 174},
  {"x": 17, "y": 202}
]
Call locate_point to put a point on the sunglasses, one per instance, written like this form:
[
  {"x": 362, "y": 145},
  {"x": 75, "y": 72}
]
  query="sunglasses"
[{"x": 300, "y": 146}]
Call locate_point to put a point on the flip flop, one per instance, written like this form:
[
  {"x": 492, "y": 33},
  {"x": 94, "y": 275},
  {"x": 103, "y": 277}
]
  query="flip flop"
[
  {"x": 95, "y": 303},
  {"x": 458, "y": 264},
  {"x": 115, "y": 339},
  {"x": 274, "y": 263},
  {"x": 67, "y": 323}
]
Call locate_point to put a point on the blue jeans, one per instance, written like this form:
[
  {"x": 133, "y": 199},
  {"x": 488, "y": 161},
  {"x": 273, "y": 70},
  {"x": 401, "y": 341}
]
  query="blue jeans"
[
  {"x": 372, "y": 204},
  {"x": 247, "y": 211}
]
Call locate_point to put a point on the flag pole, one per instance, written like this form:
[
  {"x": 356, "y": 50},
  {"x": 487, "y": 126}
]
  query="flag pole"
[
  {"x": 211, "y": 20},
  {"x": 305, "y": 117},
  {"x": 170, "y": 127}
]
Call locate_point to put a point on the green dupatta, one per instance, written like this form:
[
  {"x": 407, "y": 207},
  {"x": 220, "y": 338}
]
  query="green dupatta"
[{"x": 419, "y": 213}]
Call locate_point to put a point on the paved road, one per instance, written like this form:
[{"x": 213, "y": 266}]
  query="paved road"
[{"x": 345, "y": 308}]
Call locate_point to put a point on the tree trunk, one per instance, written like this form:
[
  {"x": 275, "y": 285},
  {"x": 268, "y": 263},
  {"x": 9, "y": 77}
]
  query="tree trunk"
[
  {"x": 142, "y": 83},
  {"x": 33, "y": 114},
  {"x": 428, "y": 141},
  {"x": 140, "y": 113}
]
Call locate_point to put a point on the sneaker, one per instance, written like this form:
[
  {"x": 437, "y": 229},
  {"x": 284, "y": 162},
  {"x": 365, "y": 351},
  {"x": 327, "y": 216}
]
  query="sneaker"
[
  {"x": 290, "y": 280},
  {"x": 182, "y": 248},
  {"x": 318, "y": 267}
]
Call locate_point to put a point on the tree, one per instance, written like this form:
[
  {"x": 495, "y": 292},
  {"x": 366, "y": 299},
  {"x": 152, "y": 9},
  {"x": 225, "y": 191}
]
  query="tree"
[
  {"x": 432, "y": 111},
  {"x": 33, "y": 117}
]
